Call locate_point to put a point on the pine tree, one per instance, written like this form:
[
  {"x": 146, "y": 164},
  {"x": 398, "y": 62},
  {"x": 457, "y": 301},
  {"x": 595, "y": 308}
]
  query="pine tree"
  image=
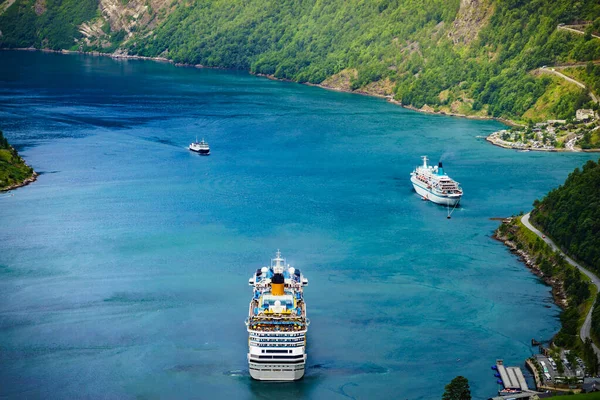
[{"x": 457, "y": 389}]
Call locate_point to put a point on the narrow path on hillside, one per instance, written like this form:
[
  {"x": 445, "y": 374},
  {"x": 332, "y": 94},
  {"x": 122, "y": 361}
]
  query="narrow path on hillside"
[
  {"x": 571, "y": 28},
  {"x": 5, "y": 6},
  {"x": 552, "y": 71},
  {"x": 584, "y": 333}
]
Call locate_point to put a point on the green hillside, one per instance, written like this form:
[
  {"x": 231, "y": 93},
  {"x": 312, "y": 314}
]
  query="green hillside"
[
  {"x": 13, "y": 169},
  {"x": 50, "y": 24},
  {"x": 570, "y": 214},
  {"x": 464, "y": 56}
]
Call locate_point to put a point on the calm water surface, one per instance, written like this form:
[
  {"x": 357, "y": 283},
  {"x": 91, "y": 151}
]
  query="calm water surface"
[{"x": 124, "y": 268}]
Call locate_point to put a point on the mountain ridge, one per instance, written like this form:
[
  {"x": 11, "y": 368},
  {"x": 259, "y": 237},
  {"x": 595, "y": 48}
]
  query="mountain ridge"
[{"x": 463, "y": 57}]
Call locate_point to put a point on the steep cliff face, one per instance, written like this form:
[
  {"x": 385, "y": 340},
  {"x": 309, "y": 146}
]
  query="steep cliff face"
[
  {"x": 39, "y": 7},
  {"x": 101, "y": 25},
  {"x": 119, "y": 20},
  {"x": 135, "y": 14},
  {"x": 472, "y": 16}
]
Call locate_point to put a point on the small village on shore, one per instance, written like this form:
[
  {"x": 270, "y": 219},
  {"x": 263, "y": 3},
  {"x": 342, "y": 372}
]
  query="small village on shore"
[{"x": 579, "y": 134}]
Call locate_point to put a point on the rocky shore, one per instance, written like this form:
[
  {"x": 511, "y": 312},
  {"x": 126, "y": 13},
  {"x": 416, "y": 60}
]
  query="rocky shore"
[
  {"x": 425, "y": 109},
  {"x": 14, "y": 171},
  {"x": 530, "y": 260},
  {"x": 26, "y": 182}
]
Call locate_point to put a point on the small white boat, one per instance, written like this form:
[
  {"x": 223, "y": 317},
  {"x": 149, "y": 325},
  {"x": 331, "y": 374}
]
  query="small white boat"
[{"x": 200, "y": 147}]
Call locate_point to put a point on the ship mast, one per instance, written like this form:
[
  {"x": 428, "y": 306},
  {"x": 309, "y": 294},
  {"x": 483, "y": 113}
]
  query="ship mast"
[
  {"x": 424, "y": 161},
  {"x": 279, "y": 263}
]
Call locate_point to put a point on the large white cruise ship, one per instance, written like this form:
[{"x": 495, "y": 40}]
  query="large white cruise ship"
[
  {"x": 432, "y": 183},
  {"x": 277, "y": 323}
]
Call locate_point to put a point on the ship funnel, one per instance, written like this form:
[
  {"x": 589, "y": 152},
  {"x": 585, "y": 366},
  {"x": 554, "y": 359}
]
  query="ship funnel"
[
  {"x": 277, "y": 284},
  {"x": 440, "y": 169}
]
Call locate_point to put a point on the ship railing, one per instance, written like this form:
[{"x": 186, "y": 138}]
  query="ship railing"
[{"x": 272, "y": 334}]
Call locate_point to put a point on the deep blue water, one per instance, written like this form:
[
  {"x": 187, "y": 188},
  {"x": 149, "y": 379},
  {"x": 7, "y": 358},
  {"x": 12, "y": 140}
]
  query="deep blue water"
[{"x": 124, "y": 268}]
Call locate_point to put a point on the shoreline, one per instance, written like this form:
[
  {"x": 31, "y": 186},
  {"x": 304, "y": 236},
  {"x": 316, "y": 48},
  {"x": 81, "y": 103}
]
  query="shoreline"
[
  {"x": 25, "y": 182},
  {"x": 524, "y": 240},
  {"x": 16, "y": 166},
  {"x": 500, "y": 143},
  {"x": 389, "y": 98},
  {"x": 559, "y": 296}
]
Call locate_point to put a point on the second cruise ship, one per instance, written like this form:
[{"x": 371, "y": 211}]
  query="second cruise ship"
[{"x": 277, "y": 323}]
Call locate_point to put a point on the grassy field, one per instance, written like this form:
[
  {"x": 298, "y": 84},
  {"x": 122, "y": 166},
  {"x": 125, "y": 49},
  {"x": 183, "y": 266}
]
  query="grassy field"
[{"x": 586, "y": 396}]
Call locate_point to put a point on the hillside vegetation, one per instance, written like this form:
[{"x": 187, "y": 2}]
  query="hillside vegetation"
[
  {"x": 570, "y": 214},
  {"x": 50, "y": 24},
  {"x": 471, "y": 57},
  {"x": 13, "y": 170}
]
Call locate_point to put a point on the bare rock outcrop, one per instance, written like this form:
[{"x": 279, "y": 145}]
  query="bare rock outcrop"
[
  {"x": 472, "y": 16},
  {"x": 341, "y": 81},
  {"x": 128, "y": 17},
  {"x": 39, "y": 7}
]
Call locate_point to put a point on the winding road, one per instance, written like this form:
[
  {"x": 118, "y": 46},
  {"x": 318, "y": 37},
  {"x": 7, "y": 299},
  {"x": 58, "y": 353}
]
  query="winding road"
[
  {"x": 573, "y": 28},
  {"x": 581, "y": 85},
  {"x": 584, "y": 333}
]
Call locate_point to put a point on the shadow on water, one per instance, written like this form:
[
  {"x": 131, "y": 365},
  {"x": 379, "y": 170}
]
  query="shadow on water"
[
  {"x": 270, "y": 390},
  {"x": 156, "y": 139},
  {"x": 305, "y": 387}
]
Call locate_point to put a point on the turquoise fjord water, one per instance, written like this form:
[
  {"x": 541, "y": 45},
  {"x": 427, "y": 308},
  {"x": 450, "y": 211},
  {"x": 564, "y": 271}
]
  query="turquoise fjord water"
[{"x": 124, "y": 268}]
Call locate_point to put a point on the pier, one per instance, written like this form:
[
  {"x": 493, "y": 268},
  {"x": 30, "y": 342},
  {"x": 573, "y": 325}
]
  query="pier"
[
  {"x": 524, "y": 396},
  {"x": 512, "y": 377},
  {"x": 513, "y": 380}
]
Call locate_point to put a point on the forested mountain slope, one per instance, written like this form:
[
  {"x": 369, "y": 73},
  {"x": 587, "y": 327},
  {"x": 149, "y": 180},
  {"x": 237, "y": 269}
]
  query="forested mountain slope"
[
  {"x": 570, "y": 214},
  {"x": 471, "y": 57}
]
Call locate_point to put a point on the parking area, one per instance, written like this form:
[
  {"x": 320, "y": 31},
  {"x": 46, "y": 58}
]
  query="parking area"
[{"x": 558, "y": 369}]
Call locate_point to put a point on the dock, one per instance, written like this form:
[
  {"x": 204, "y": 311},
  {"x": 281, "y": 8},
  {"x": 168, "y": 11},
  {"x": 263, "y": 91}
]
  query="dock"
[{"x": 512, "y": 377}]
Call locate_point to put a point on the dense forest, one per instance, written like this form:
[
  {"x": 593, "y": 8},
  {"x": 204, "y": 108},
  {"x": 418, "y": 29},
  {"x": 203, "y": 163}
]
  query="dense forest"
[
  {"x": 52, "y": 24},
  {"x": 13, "y": 169},
  {"x": 570, "y": 215},
  {"x": 464, "y": 56}
]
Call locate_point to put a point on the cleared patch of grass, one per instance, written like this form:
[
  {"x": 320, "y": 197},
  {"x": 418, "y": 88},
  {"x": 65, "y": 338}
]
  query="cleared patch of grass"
[
  {"x": 543, "y": 109},
  {"x": 585, "y": 396}
]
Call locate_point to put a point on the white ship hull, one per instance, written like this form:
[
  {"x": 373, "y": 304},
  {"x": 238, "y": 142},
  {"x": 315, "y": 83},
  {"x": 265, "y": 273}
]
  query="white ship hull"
[
  {"x": 276, "y": 356},
  {"x": 199, "y": 150},
  {"x": 431, "y": 196},
  {"x": 276, "y": 372}
]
